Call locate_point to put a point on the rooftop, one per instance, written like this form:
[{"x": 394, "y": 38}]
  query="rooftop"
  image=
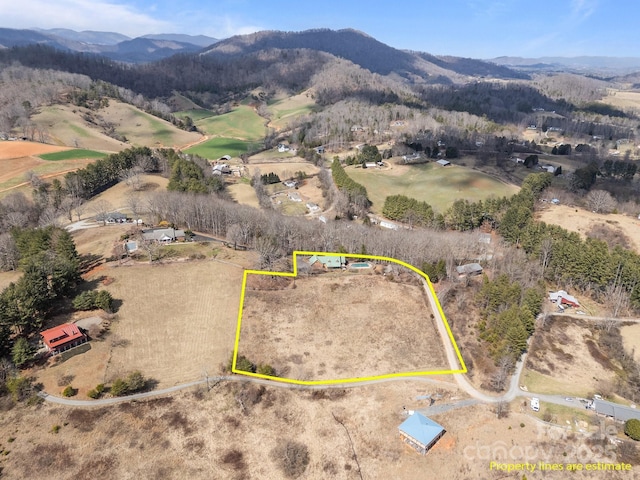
[
  {"x": 615, "y": 410},
  {"x": 56, "y": 336},
  {"x": 420, "y": 428}
]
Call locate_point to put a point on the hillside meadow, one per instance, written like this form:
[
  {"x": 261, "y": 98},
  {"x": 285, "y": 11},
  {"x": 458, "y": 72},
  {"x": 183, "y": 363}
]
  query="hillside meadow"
[{"x": 436, "y": 185}]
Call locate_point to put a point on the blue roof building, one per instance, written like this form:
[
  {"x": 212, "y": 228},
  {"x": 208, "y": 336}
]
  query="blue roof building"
[{"x": 420, "y": 432}]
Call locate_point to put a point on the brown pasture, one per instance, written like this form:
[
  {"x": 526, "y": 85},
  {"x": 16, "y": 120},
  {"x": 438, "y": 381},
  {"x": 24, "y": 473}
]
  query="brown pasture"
[
  {"x": 339, "y": 325},
  {"x": 581, "y": 221},
  {"x": 177, "y": 321}
]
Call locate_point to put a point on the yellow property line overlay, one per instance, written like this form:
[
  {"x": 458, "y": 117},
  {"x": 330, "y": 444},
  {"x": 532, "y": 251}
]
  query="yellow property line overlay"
[{"x": 294, "y": 274}]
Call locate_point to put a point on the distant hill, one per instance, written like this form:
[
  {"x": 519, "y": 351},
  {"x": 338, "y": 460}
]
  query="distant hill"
[
  {"x": 143, "y": 50},
  {"x": 109, "y": 44},
  {"x": 87, "y": 36},
  {"x": 362, "y": 50},
  {"x": 199, "y": 40},
  {"x": 584, "y": 64},
  {"x": 10, "y": 37}
]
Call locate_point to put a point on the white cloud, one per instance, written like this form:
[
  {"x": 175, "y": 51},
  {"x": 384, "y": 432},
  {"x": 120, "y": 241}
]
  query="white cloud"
[
  {"x": 101, "y": 15},
  {"x": 218, "y": 26},
  {"x": 583, "y": 9}
]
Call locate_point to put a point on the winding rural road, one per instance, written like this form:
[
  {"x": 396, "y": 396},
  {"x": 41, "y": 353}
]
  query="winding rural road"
[{"x": 452, "y": 358}]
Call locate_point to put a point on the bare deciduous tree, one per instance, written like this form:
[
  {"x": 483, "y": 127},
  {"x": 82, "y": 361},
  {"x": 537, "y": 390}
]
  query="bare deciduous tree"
[{"x": 600, "y": 201}]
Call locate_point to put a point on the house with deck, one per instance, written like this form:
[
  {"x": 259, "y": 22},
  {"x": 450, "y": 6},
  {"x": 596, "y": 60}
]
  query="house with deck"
[{"x": 327, "y": 262}]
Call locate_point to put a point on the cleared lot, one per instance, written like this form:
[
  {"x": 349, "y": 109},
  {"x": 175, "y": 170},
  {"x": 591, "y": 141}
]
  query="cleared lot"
[
  {"x": 325, "y": 327},
  {"x": 177, "y": 321}
]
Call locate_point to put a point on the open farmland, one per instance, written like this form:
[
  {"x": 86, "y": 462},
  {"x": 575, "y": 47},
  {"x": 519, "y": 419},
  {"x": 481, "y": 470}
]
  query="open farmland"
[
  {"x": 284, "y": 109},
  {"x": 284, "y": 169},
  {"x": 18, "y": 158},
  {"x": 623, "y": 99},
  {"x": 436, "y": 185},
  {"x": 582, "y": 221},
  {"x": 142, "y": 129},
  {"x": 119, "y": 196},
  {"x": 564, "y": 358},
  {"x": 324, "y": 327},
  {"x": 177, "y": 321},
  {"x": 244, "y": 193},
  {"x": 242, "y": 123},
  {"x": 72, "y": 155},
  {"x": 65, "y": 125},
  {"x": 216, "y": 147},
  {"x": 202, "y": 434}
]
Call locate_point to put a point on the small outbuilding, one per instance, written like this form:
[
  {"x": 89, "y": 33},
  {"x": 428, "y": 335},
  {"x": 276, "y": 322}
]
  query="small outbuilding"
[
  {"x": 443, "y": 163},
  {"x": 469, "y": 269},
  {"x": 420, "y": 432},
  {"x": 63, "y": 337}
]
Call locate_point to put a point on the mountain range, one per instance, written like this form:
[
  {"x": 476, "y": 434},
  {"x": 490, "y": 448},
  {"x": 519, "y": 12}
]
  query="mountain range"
[
  {"x": 115, "y": 46},
  {"x": 355, "y": 46}
]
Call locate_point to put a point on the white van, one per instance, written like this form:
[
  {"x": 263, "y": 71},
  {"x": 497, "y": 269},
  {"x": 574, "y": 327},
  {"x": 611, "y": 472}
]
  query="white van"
[{"x": 535, "y": 404}]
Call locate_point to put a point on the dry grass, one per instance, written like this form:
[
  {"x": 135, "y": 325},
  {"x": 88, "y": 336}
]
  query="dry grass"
[
  {"x": 7, "y": 277},
  {"x": 583, "y": 221},
  {"x": 325, "y": 327},
  {"x": 284, "y": 169},
  {"x": 623, "y": 99},
  {"x": 177, "y": 320},
  {"x": 244, "y": 193},
  {"x": 202, "y": 435},
  {"x": 631, "y": 339},
  {"x": 565, "y": 359},
  {"x": 118, "y": 195},
  {"x": 66, "y": 126}
]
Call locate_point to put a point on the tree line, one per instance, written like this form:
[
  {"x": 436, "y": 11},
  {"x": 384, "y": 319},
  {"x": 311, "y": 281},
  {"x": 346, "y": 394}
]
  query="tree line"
[{"x": 356, "y": 192}]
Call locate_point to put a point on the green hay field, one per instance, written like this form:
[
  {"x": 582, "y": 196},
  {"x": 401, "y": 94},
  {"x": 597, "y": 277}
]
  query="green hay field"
[
  {"x": 436, "y": 185},
  {"x": 242, "y": 123},
  {"x": 72, "y": 155},
  {"x": 196, "y": 114},
  {"x": 283, "y": 110},
  {"x": 215, "y": 148}
]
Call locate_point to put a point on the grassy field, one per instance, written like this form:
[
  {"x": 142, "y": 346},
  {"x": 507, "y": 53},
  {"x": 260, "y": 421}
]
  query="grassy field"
[
  {"x": 196, "y": 114},
  {"x": 168, "y": 340},
  {"x": 72, "y": 155},
  {"x": 143, "y": 129},
  {"x": 19, "y": 158},
  {"x": 324, "y": 328},
  {"x": 217, "y": 147},
  {"x": 242, "y": 123},
  {"x": 244, "y": 193},
  {"x": 284, "y": 109},
  {"x": 65, "y": 126},
  {"x": 560, "y": 361},
  {"x": 200, "y": 434},
  {"x": 438, "y": 186}
]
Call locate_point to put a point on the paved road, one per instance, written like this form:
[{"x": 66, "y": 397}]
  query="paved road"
[{"x": 452, "y": 359}]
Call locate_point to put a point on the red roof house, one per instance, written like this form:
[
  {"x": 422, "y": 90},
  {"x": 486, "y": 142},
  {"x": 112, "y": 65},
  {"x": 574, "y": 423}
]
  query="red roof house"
[{"x": 63, "y": 337}]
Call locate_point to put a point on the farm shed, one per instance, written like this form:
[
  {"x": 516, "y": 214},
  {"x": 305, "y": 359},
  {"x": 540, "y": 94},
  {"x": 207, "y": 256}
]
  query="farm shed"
[
  {"x": 619, "y": 412},
  {"x": 444, "y": 163},
  {"x": 420, "y": 432},
  {"x": 469, "y": 269},
  {"x": 63, "y": 337},
  {"x": 563, "y": 298}
]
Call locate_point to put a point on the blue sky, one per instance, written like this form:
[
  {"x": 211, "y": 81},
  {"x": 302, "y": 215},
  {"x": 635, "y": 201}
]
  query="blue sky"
[{"x": 469, "y": 28}]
